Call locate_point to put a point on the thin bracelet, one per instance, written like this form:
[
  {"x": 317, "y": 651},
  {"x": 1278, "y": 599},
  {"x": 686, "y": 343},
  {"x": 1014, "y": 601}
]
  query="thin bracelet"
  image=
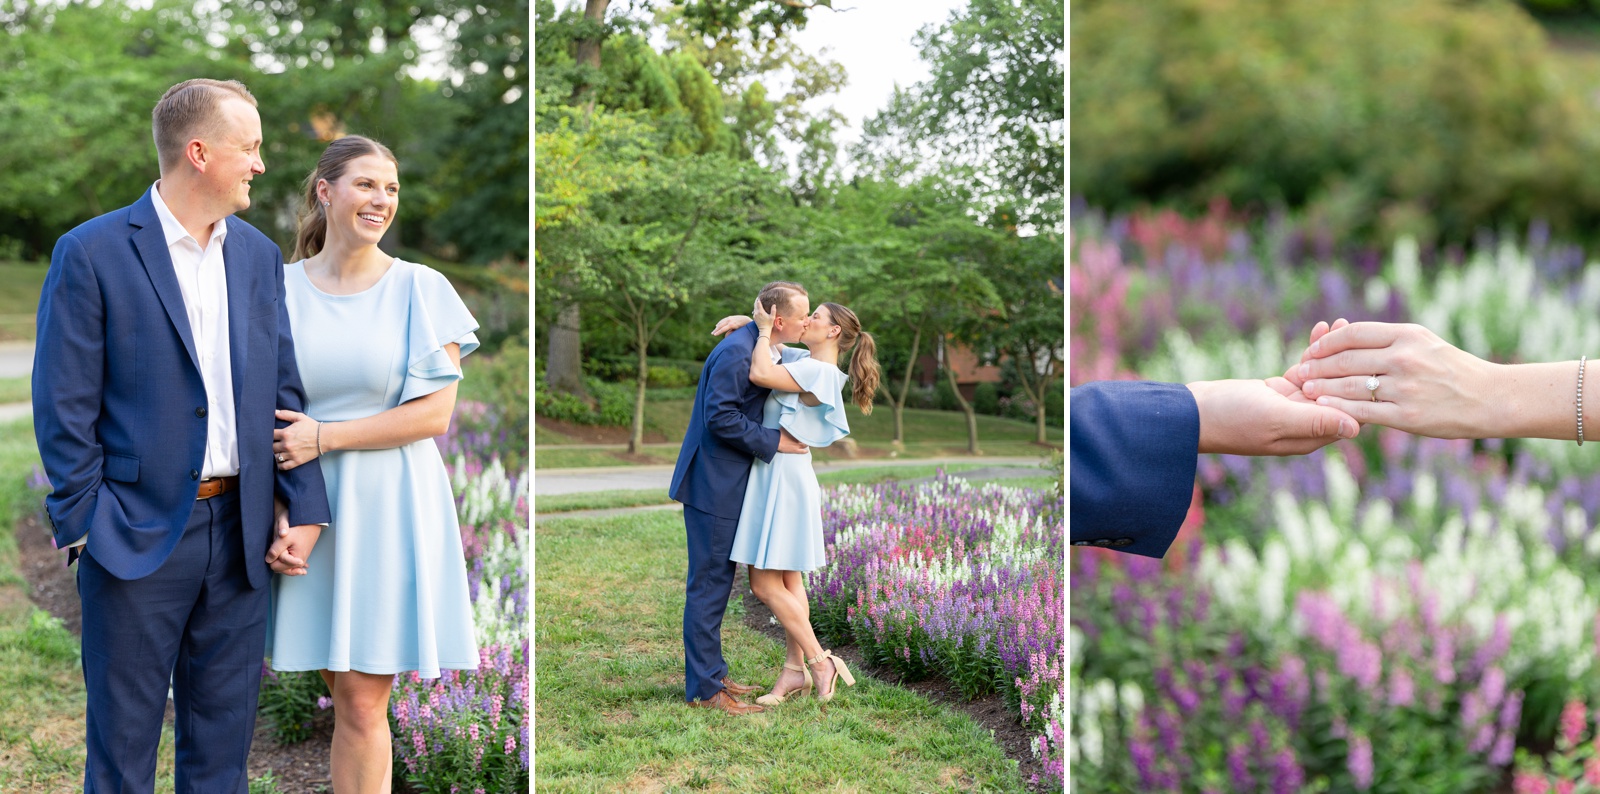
[
  {"x": 319, "y": 428},
  {"x": 1581, "y": 361}
]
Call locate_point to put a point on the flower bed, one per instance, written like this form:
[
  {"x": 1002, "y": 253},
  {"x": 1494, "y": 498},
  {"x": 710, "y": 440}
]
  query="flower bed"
[
  {"x": 956, "y": 580},
  {"x": 1393, "y": 614}
]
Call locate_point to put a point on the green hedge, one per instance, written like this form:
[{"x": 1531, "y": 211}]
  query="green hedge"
[{"x": 1428, "y": 117}]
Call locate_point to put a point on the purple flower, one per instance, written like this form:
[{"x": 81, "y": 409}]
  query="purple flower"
[
  {"x": 1239, "y": 767},
  {"x": 1359, "y": 761}
]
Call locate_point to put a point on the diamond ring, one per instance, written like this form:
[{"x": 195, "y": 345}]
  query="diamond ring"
[{"x": 1372, "y": 387}]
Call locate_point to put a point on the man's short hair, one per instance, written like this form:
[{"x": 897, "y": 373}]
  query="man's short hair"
[
  {"x": 779, "y": 296},
  {"x": 189, "y": 110}
]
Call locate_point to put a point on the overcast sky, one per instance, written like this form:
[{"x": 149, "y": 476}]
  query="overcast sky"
[{"x": 872, "y": 40}]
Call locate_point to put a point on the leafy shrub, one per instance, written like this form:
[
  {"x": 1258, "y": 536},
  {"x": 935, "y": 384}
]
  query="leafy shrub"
[
  {"x": 986, "y": 399},
  {"x": 290, "y": 702},
  {"x": 613, "y": 404},
  {"x": 944, "y": 397},
  {"x": 499, "y": 382}
]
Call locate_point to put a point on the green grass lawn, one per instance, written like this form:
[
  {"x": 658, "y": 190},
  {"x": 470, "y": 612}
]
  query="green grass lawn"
[
  {"x": 41, "y": 716},
  {"x": 16, "y": 390},
  {"x": 20, "y": 283},
  {"x": 610, "y": 712}
]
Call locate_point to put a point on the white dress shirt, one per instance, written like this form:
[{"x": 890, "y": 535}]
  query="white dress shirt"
[{"x": 203, "y": 280}]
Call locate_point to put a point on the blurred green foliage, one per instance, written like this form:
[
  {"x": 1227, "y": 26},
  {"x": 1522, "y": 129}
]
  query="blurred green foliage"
[
  {"x": 1378, "y": 117},
  {"x": 443, "y": 82}
]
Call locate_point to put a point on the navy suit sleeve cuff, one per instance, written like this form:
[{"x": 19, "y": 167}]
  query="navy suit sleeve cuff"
[{"x": 1133, "y": 453}]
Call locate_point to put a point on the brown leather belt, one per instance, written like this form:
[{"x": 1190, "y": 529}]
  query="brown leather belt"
[{"x": 216, "y": 485}]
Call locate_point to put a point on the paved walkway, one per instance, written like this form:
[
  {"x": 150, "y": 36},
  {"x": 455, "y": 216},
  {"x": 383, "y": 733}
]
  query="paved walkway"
[
  {"x": 549, "y": 482},
  {"x": 10, "y": 412},
  {"x": 986, "y": 473},
  {"x": 16, "y": 359}
]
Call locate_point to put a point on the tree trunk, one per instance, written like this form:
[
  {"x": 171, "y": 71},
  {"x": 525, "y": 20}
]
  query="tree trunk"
[
  {"x": 1040, "y": 402},
  {"x": 636, "y": 441},
  {"x": 899, "y": 403},
  {"x": 1034, "y": 389},
  {"x": 588, "y": 50},
  {"x": 563, "y": 365},
  {"x": 966, "y": 407},
  {"x": 564, "y": 369}
]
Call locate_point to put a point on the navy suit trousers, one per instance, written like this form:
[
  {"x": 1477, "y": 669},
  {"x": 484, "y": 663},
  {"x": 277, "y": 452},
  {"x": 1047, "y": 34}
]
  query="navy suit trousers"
[
  {"x": 709, "y": 585},
  {"x": 195, "y": 621}
]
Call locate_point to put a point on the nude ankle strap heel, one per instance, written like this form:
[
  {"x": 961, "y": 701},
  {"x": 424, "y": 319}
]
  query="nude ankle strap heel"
[
  {"x": 773, "y": 698},
  {"x": 839, "y": 671}
]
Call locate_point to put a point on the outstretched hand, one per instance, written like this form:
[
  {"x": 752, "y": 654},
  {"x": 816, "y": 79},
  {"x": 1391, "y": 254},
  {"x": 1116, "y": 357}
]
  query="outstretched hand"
[
  {"x": 1265, "y": 417},
  {"x": 1425, "y": 385}
]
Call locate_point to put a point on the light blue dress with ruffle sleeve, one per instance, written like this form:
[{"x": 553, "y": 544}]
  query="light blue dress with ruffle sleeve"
[
  {"x": 386, "y": 589},
  {"x": 780, "y": 527}
]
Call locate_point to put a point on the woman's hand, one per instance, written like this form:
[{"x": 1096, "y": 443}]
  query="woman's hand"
[
  {"x": 730, "y": 324},
  {"x": 292, "y": 548},
  {"x": 763, "y": 320},
  {"x": 297, "y": 443},
  {"x": 1425, "y": 385}
]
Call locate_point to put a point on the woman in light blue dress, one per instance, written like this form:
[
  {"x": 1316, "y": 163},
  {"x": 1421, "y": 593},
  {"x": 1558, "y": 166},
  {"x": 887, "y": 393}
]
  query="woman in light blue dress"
[
  {"x": 780, "y": 528},
  {"x": 379, "y": 343}
]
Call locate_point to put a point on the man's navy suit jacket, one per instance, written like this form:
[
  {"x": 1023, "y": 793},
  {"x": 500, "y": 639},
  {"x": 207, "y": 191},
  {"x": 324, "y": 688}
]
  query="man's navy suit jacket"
[
  {"x": 725, "y": 433},
  {"x": 1133, "y": 453},
  {"x": 119, "y": 408}
]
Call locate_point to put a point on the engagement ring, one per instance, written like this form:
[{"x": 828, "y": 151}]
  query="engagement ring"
[{"x": 1372, "y": 386}]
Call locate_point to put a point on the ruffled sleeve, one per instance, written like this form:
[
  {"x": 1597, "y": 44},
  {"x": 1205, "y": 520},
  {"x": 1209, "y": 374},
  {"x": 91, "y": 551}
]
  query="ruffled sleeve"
[
  {"x": 815, "y": 425},
  {"x": 438, "y": 318},
  {"x": 793, "y": 354}
]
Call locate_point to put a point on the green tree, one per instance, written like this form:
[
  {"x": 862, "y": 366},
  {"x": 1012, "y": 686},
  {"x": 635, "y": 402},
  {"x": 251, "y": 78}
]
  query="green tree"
[
  {"x": 1031, "y": 287},
  {"x": 667, "y": 240},
  {"x": 574, "y": 70},
  {"x": 80, "y": 81},
  {"x": 483, "y": 184},
  {"x": 915, "y": 257},
  {"x": 994, "y": 104}
]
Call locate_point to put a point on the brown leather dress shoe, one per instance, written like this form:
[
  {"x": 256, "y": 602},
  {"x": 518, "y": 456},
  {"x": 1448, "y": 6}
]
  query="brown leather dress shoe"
[
  {"x": 736, "y": 689},
  {"x": 726, "y": 702}
]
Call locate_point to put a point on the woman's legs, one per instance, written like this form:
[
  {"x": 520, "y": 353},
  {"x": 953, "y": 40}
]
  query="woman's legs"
[
  {"x": 795, "y": 583},
  {"x": 771, "y": 586},
  {"x": 362, "y": 756}
]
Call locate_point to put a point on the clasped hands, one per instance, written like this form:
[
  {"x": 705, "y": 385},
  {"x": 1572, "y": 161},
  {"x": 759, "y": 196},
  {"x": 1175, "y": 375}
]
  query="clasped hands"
[
  {"x": 292, "y": 446},
  {"x": 1424, "y": 386}
]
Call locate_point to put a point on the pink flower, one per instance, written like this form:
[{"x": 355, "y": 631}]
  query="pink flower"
[
  {"x": 1574, "y": 719},
  {"x": 1529, "y": 783}
]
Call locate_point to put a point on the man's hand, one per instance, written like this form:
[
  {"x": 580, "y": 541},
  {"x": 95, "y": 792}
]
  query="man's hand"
[
  {"x": 1255, "y": 417},
  {"x": 790, "y": 445},
  {"x": 288, "y": 553}
]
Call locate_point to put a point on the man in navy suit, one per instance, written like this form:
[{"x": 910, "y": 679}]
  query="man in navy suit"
[
  {"x": 163, "y": 349},
  {"x": 724, "y": 437},
  {"x": 1134, "y": 445}
]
